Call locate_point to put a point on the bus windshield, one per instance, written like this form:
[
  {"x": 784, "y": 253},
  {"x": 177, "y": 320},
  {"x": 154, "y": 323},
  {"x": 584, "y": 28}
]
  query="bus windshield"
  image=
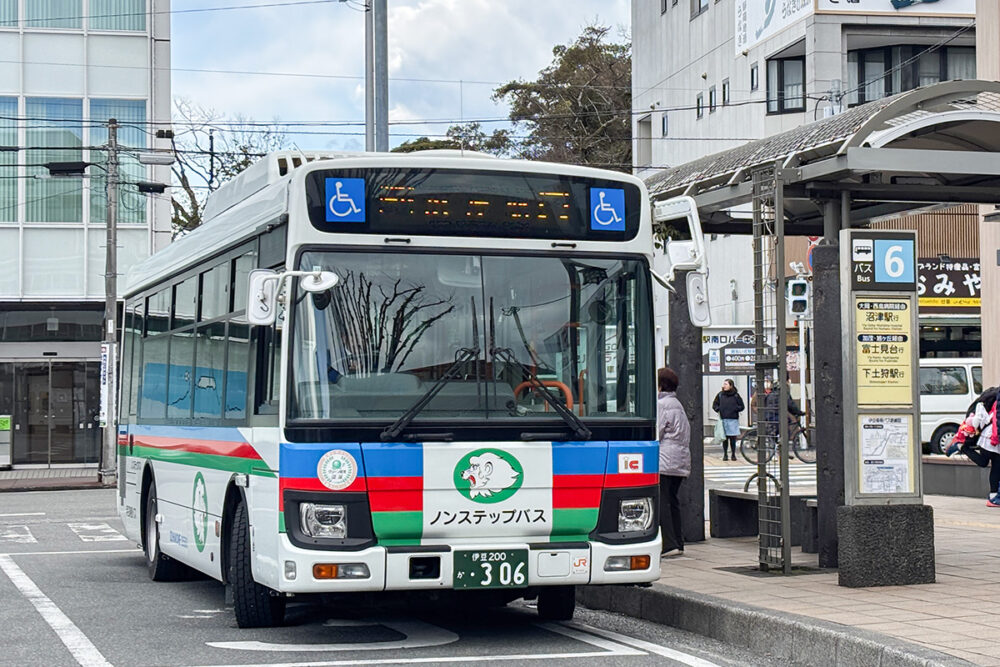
[{"x": 492, "y": 327}]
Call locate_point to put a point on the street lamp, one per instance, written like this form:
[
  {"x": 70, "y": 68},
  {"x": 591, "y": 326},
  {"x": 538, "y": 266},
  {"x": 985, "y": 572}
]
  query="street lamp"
[{"x": 108, "y": 348}]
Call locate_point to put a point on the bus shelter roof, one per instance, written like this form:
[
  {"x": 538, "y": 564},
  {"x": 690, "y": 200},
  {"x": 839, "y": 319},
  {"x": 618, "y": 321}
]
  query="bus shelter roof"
[{"x": 927, "y": 147}]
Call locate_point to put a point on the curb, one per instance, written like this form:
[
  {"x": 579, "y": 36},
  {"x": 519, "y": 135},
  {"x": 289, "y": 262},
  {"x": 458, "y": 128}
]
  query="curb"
[
  {"x": 784, "y": 636},
  {"x": 42, "y": 485}
]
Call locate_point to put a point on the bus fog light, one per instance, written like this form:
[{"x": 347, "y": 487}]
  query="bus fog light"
[
  {"x": 635, "y": 515},
  {"x": 290, "y": 570},
  {"x": 618, "y": 564},
  {"x": 353, "y": 571},
  {"x": 323, "y": 520}
]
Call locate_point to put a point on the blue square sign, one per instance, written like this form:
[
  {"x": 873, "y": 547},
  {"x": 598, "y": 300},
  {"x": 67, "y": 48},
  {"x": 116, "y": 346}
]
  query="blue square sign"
[
  {"x": 345, "y": 200},
  {"x": 894, "y": 261},
  {"x": 607, "y": 209}
]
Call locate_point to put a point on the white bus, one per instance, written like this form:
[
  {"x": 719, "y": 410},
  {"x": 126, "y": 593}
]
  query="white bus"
[{"x": 456, "y": 392}]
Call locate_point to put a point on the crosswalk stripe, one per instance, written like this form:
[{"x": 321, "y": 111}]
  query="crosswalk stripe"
[
  {"x": 96, "y": 532},
  {"x": 17, "y": 535}
]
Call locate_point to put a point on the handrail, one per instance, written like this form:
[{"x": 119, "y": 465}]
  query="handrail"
[{"x": 555, "y": 384}]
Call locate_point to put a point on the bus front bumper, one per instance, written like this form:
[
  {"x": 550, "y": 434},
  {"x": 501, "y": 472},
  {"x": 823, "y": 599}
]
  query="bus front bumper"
[{"x": 433, "y": 567}]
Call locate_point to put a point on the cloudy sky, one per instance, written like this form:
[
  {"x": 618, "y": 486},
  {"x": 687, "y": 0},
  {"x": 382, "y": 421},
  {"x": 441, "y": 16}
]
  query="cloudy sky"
[{"x": 433, "y": 46}]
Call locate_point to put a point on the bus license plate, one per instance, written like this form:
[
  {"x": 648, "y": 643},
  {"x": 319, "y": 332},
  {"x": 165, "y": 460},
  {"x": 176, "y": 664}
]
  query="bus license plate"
[{"x": 495, "y": 568}]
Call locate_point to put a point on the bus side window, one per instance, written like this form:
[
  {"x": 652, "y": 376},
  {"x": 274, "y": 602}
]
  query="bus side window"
[{"x": 268, "y": 376}]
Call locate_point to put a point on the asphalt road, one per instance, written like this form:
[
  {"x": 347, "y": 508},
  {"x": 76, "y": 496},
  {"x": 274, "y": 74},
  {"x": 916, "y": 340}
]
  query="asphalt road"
[{"x": 74, "y": 591}]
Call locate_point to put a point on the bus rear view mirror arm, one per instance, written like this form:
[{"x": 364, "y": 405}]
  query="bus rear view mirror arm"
[{"x": 265, "y": 290}]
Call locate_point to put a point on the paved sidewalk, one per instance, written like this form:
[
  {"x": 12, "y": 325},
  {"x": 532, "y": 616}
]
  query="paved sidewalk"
[
  {"x": 956, "y": 615},
  {"x": 37, "y": 479}
]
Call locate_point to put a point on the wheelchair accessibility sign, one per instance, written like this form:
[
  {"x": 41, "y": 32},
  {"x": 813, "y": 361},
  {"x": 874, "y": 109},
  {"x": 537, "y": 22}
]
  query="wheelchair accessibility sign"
[
  {"x": 607, "y": 209},
  {"x": 345, "y": 200}
]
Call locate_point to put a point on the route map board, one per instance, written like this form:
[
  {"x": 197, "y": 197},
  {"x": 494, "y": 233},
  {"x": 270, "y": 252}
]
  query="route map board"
[
  {"x": 884, "y": 350},
  {"x": 885, "y": 454}
]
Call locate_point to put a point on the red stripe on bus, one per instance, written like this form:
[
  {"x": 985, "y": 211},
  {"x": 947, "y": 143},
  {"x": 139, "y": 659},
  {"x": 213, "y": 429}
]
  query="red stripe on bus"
[
  {"x": 240, "y": 450},
  {"x": 396, "y": 501},
  {"x": 312, "y": 484},
  {"x": 576, "y": 498},
  {"x": 625, "y": 480},
  {"x": 395, "y": 483},
  {"x": 577, "y": 481}
]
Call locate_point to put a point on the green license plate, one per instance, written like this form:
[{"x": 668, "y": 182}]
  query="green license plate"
[{"x": 491, "y": 568}]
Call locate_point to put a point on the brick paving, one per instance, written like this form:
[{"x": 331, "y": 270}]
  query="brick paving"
[
  {"x": 32, "y": 479},
  {"x": 955, "y": 615}
]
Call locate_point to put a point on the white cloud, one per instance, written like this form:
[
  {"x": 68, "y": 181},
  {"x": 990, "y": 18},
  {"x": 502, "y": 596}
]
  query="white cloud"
[{"x": 445, "y": 40}]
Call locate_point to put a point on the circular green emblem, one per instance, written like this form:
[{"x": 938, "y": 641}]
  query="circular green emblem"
[
  {"x": 488, "y": 475},
  {"x": 199, "y": 512}
]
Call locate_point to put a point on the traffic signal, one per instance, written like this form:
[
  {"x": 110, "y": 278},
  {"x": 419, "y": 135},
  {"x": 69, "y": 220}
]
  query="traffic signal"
[{"x": 799, "y": 298}]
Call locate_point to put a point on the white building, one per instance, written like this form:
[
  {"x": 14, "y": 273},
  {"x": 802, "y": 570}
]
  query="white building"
[
  {"x": 709, "y": 75},
  {"x": 66, "y": 67}
]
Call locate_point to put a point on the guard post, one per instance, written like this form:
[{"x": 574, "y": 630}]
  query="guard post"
[{"x": 885, "y": 532}]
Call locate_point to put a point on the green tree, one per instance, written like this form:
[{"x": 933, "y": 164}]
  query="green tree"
[{"x": 468, "y": 136}]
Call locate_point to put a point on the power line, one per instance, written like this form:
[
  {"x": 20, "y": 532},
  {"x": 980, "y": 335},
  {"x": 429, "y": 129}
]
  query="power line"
[{"x": 197, "y": 10}]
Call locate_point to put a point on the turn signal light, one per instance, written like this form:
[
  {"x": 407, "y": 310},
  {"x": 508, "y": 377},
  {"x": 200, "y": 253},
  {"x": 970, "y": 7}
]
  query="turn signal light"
[
  {"x": 324, "y": 571},
  {"x": 640, "y": 563}
]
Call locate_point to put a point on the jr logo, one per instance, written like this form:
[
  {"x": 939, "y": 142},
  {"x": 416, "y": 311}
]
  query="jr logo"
[
  {"x": 630, "y": 463},
  {"x": 488, "y": 475}
]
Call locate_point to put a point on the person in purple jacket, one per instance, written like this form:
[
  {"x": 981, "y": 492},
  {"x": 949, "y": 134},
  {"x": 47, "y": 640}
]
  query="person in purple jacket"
[{"x": 674, "y": 432}]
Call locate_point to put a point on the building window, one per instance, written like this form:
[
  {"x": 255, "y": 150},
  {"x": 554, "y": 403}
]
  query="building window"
[
  {"x": 786, "y": 85},
  {"x": 725, "y": 92},
  {"x": 754, "y": 77},
  {"x": 8, "y": 160},
  {"x": 118, "y": 15},
  {"x": 644, "y": 142},
  {"x": 131, "y": 117},
  {"x": 877, "y": 73},
  {"x": 711, "y": 100},
  {"x": 664, "y": 125},
  {"x": 698, "y": 7},
  {"x": 56, "y": 126},
  {"x": 53, "y": 14},
  {"x": 699, "y": 105},
  {"x": 8, "y": 13}
]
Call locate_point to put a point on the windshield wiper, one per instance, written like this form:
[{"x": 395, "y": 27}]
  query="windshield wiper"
[
  {"x": 505, "y": 354},
  {"x": 465, "y": 355}
]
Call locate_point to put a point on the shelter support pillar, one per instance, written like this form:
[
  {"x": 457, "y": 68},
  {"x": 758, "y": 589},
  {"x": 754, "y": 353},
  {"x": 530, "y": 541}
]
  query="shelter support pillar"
[
  {"x": 685, "y": 360},
  {"x": 829, "y": 384}
]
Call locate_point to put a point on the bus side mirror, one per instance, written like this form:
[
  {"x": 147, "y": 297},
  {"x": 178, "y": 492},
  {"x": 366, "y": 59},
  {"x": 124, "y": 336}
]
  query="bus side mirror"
[
  {"x": 677, "y": 225},
  {"x": 262, "y": 297}
]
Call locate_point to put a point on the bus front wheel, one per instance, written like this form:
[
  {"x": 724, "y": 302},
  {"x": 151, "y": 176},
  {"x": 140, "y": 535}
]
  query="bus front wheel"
[
  {"x": 161, "y": 567},
  {"x": 256, "y": 606},
  {"x": 557, "y": 603}
]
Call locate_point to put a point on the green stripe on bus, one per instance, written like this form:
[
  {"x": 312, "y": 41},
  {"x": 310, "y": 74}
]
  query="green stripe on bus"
[
  {"x": 212, "y": 461},
  {"x": 281, "y": 522},
  {"x": 570, "y": 524},
  {"x": 391, "y": 527}
]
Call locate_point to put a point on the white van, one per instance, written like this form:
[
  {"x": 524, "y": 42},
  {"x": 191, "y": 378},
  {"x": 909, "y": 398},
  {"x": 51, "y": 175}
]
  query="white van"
[{"x": 947, "y": 387}]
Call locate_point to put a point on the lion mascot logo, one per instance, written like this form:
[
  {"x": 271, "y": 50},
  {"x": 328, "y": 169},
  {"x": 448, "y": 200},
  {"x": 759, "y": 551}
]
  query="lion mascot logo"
[{"x": 489, "y": 474}]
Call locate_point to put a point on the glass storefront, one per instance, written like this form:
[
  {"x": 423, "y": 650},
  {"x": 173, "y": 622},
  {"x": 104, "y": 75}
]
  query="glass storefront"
[{"x": 53, "y": 408}]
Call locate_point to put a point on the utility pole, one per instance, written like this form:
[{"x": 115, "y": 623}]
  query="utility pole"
[
  {"x": 369, "y": 77},
  {"x": 211, "y": 160},
  {"x": 381, "y": 55},
  {"x": 110, "y": 444}
]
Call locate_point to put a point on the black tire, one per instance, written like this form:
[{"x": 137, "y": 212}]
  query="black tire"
[
  {"x": 802, "y": 446},
  {"x": 942, "y": 437},
  {"x": 557, "y": 603},
  {"x": 748, "y": 447},
  {"x": 256, "y": 606},
  {"x": 161, "y": 566}
]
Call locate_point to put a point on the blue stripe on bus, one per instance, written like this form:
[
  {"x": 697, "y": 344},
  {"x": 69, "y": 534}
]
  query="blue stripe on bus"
[
  {"x": 650, "y": 449},
  {"x": 394, "y": 459},
  {"x": 299, "y": 459},
  {"x": 217, "y": 433},
  {"x": 579, "y": 458}
]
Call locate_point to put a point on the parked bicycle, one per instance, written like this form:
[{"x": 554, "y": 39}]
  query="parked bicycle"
[{"x": 799, "y": 444}]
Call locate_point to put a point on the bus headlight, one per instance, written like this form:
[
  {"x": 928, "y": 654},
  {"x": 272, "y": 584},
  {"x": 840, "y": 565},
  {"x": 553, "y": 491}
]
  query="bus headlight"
[
  {"x": 323, "y": 520},
  {"x": 635, "y": 515}
]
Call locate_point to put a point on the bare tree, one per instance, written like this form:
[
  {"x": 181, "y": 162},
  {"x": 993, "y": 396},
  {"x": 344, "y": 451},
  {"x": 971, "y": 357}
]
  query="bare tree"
[{"x": 211, "y": 149}]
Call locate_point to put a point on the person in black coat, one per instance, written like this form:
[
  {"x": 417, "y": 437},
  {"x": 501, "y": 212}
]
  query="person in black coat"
[{"x": 729, "y": 404}]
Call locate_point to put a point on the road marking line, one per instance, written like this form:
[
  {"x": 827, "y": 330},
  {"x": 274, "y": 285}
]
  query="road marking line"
[
  {"x": 82, "y": 650},
  {"x": 417, "y": 635},
  {"x": 22, "y": 514},
  {"x": 65, "y": 553},
  {"x": 586, "y": 637},
  {"x": 478, "y": 659},
  {"x": 96, "y": 532},
  {"x": 673, "y": 654},
  {"x": 17, "y": 535}
]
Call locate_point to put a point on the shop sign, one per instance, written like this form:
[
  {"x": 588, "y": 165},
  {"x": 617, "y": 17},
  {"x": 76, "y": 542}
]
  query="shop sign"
[
  {"x": 884, "y": 350},
  {"x": 757, "y": 21},
  {"x": 899, "y": 7},
  {"x": 949, "y": 286}
]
